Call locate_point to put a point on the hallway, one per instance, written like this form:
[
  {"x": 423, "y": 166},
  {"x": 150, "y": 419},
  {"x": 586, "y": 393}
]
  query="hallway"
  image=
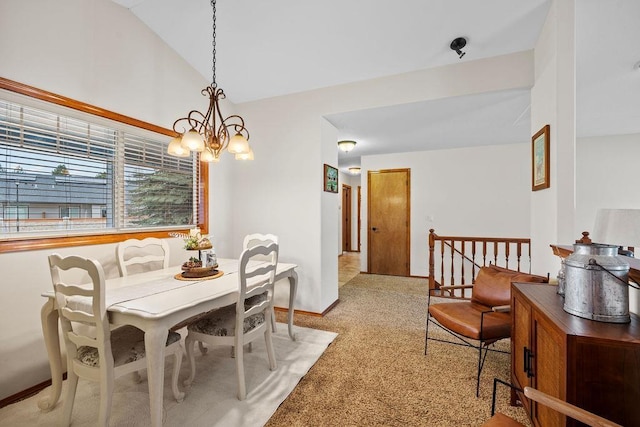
[{"x": 348, "y": 267}]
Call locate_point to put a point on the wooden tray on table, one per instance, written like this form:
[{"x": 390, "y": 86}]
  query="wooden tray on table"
[{"x": 199, "y": 273}]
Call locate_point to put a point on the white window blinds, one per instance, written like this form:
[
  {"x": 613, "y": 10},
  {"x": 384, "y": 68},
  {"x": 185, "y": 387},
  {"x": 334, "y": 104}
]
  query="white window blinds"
[{"x": 66, "y": 175}]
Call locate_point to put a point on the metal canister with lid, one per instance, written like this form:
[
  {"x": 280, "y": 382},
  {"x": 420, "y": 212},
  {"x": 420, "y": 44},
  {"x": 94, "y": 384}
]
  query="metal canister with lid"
[{"x": 596, "y": 283}]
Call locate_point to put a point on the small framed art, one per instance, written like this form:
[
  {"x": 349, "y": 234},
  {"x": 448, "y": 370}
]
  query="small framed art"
[
  {"x": 540, "y": 159},
  {"x": 330, "y": 179}
]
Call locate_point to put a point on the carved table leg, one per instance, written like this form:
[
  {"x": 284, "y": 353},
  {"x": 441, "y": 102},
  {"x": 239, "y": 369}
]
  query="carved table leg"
[
  {"x": 293, "y": 283},
  {"x": 154, "y": 341}
]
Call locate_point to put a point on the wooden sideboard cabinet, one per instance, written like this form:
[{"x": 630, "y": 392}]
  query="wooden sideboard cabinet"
[{"x": 593, "y": 365}]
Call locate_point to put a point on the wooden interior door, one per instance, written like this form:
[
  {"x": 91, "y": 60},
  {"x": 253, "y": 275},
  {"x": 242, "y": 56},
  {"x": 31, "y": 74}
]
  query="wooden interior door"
[
  {"x": 346, "y": 218},
  {"x": 388, "y": 234}
]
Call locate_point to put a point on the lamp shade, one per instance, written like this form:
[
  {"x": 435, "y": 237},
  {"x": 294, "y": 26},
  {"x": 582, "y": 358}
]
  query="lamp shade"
[
  {"x": 245, "y": 156},
  {"x": 207, "y": 156},
  {"x": 175, "y": 148},
  {"x": 238, "y": 144},
  {"x": 619, "y": 227},
  {"x": 346, "y": 145},
  {"x": 354, "y": 170},
  {"x": 193, "y": 141}
]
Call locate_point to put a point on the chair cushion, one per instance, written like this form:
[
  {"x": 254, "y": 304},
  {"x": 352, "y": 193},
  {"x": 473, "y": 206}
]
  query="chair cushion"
[
  {"x": 222, "y": 322},
  {"x": 464, "y": 319},
  {"x": 127, "y": 345},
  {"x": 493, "y": 285}
]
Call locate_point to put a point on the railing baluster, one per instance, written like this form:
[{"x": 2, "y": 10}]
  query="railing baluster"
[
  {"x": 453, "y": 252},
  {"x": 459, "y": 250},
  {"x": 432, "y": 241},
  {"x": 462, "y": 248},
  {"x": 473, "y": 258},
  {"x": 506, "y": 254},
  {"x": 442, "y": 283},
  {"x": 484, "y": 253}
]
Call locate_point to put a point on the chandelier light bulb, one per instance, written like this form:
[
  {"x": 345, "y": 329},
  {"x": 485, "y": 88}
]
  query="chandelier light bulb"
[
  {"x": 193, "y": 141},
  {"x": 245, "y": 156},
  {"x": 175, "y": 148},
  {"x": 238, "y": 144},
  {"x": 207, "y": 156}
]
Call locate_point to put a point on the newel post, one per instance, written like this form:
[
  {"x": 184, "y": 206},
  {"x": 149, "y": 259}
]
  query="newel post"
[{"x": 432, "y": 244}]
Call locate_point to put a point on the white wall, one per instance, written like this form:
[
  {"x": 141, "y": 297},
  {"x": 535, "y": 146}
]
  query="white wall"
[
  {"x": 607, "y": 173},
  {"x": 553, "y": 103},
  {"x": 488, "y": 195}
]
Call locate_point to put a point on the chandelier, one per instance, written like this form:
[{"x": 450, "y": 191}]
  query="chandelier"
[{"x": 210, "y": 133}]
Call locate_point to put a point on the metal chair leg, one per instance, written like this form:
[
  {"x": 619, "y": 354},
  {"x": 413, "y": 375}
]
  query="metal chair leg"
[
  {"x": 481, "y": 360},
  {"x": 426, "y": 335}
]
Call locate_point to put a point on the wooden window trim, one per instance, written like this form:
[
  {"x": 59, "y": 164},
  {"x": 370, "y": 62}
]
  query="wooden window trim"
[{"x": 29, "y": 244}]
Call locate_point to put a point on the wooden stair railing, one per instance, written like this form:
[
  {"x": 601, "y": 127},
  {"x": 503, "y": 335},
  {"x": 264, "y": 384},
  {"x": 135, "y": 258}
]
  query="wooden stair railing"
[{"x": 460, "y": 257}]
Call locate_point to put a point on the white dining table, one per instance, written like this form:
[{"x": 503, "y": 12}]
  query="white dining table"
[{"x": 155, "y": 302}]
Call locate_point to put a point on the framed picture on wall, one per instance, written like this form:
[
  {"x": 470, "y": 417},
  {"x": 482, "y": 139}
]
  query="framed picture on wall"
[
  {"x": 540, "y": 159},
  {"x": 330, "y": 179}
]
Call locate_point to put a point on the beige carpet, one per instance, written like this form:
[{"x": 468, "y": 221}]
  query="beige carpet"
[
  {"x": 210, "y": 401},
  {"x": 376, "y": 374}
]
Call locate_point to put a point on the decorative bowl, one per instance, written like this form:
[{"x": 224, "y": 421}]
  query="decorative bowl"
[{"x": 199, "y": 271}]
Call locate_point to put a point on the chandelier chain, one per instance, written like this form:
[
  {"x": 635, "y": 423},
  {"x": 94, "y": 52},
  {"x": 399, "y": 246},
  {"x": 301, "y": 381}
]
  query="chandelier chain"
[{"x": 213, "y": 44}]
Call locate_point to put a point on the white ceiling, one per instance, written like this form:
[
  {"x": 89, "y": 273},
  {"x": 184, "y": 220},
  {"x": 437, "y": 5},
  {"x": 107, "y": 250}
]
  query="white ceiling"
[{"x": 277, "y": 47}]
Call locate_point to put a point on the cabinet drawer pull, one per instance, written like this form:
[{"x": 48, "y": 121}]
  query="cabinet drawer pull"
[{"x": 528, "y": 368}]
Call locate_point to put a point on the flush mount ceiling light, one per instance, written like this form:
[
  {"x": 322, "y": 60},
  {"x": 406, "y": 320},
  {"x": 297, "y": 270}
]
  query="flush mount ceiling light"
[
  {"x": 457, "y": 45},
  {"x": 210, "y": 133},
  {"x": 346, "y": 145},
  {"x": 355, "y": 170}
]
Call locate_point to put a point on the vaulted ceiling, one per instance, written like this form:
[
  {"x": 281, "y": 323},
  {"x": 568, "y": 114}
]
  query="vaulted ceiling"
[{"x": 278, "y": 47}]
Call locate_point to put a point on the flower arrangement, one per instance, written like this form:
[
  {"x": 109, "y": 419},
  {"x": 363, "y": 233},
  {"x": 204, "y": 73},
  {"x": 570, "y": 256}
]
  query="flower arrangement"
[{"x": 194, "y": 240}]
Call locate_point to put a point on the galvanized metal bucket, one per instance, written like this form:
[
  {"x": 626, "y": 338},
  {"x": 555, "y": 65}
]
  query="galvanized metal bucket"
[{"x": 596, "y": 283}]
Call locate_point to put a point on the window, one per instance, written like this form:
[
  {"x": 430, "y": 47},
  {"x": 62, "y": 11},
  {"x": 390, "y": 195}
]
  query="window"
[{"x": 69, "y": 174}]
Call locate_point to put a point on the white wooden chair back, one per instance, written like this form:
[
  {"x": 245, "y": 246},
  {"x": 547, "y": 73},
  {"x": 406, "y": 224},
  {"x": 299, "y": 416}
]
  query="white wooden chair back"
[
  {"x": 69, "y": 291},
  {"x": 147, "y": 252},
  {"x": 251, "y": 240},
  {"x": 256, "y": 280}
]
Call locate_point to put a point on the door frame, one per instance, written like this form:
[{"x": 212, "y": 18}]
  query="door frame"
[{"x": 347, "y": 227}]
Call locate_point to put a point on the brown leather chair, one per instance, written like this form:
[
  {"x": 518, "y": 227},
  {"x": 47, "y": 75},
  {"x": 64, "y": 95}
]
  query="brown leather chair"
[
  {"x": 485, "y": 318},
  {"x": 571, "y": 411}
]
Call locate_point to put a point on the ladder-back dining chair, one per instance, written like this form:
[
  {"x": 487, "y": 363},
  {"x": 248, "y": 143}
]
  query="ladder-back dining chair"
[
  {"x": 247, "y": 319},
  {"x": 101, "y": 355},
  {"x": 251, "y": 240},
  {"x": 146, "y": 254}
]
